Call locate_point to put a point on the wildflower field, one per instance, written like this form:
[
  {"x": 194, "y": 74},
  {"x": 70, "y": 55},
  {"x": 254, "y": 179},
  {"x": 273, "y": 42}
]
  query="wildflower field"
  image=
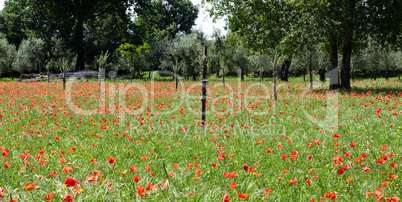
[{"x": 145, "y": 141}]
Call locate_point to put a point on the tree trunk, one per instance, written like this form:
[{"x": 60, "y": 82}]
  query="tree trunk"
[
  {"x": 351, "y": 74},
  {"x": 347, "y": 45},
  {"x": 64, "y": 73},
  {"x": 347, "y": 54},
  {"x": 204, "y": 85},
  {"x": 304, "y": 75},
  {"x": 79, "y": 38},
  {"x": 195, "y": 77},
  {"x": 311, "y": 74},
  {"x": 48, "y": 75},
  {"x": 285, "y": 70},
  {"x": 321, "y": 72},
  {"x": 261, "y": 75},
  {"x": 175, "y": 68},
  {"x": 241, "y": 74},
  {"x": 333, "y": 53},
  {"x": 223, "y": 74},
  {"x": 274, "y": 82}
]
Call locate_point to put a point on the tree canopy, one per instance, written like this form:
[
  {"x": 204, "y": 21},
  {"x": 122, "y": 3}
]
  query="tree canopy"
[{"x": 293, "y": 26}]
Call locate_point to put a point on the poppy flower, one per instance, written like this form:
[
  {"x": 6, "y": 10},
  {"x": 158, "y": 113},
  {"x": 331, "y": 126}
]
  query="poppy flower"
[
  {"x": 198, "y": 172},
  {"x": 91, "y": 178},
  {"x": 307, "y": 182},
  {"x": 70, "y": 182},
  {"x": 30, "y": 186},
  {"x": 67, "y": 169},
  {"x": 141, "y": 191},
  {"x": 369, "y": 194},
  {"x": 150, "y": 187},
  {"x": 49, "y": 196},
  {"x": 233, "y": 185},
  {"x": 230, "y": 175},
  {"x": 242, "y": 196},
  {"x": 225, "y": 198},
  {"x": 136, "y": 178},
  {"x": 293, "y": 181},
  {"x": 53, "y": 174},
  {"x": 68, "y": 198},
  {"x": 332, "y": 196},
  {"x": 245, "y": 167},
  {"x": 111, "y": 160}
]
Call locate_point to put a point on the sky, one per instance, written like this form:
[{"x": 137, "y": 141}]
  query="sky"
[{"x": 204, "y": 22}]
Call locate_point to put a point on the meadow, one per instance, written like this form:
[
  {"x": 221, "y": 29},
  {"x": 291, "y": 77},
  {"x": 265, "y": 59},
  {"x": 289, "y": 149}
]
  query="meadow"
[{"x": 145, "y": 141}]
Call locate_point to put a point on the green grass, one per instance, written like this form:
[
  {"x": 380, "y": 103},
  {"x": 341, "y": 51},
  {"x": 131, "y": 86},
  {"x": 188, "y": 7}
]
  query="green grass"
[{"x": 162, "y": 124}]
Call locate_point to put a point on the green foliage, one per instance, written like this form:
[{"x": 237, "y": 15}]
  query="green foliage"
[
  {"x": 13, "y": 20},
  {"x": 262, "y": 63},
  {"x": 188, "y": 49},
  {"x": 102, "y": 60},
  {"x": 134, "y": 57},
  {"x": 165, "y": 18},
  {"x": 30, "y": 53},
  {"x": 376, "y": 62},
  {"x": 7, "y": 56}
]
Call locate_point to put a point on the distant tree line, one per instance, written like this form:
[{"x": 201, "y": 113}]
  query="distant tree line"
[{"x": 146, "y": 36}]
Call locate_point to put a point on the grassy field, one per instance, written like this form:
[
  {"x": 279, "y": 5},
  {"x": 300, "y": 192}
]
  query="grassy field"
[{"x": 144, "y": 141}]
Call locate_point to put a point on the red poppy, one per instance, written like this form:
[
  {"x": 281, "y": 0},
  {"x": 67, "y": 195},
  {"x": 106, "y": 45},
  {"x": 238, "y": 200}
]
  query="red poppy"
[
  {"x": 91, "y": 178},
  {"x": 242, "y": 196},
  {"x": 141, "y": 191},
  {"x": 233, "y": 185},
  {"x": 245, "y": 167},
  {"x": 136, "y": 178},
  {"x": 67, "y": 169},
  {"x": 307, "y": 182},
  {"x": 225, "y": 198},
  {"x": 68, "y": 198},
  {"x": 111, "y": 160},
  {"x": 53, "y": 174},
  {"x": 49, "y": 196},
  {"x": 293, "y": 181},
  {"x": 198, "y": 172},
  {"x": 70, "y": 182},
  {"x": 30, "y": 186},
  {"x": 150, "y": 187},
  {"x": 332, "y": 196}
]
